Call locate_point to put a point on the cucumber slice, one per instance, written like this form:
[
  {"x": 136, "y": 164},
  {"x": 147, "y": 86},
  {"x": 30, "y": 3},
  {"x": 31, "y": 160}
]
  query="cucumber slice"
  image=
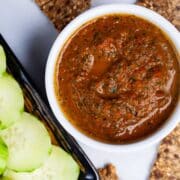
[
  {"x": 3, "y": 156},
  {"x": 11, "y": 101},
  {"x": 59, "y": 166},
  {"x": 28, "y": 143},
  {"x": 2, "y": 61}
]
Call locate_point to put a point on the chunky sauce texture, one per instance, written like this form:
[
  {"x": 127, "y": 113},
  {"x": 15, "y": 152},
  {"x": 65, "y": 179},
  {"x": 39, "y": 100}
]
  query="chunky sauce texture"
[{"x": 117, "y": 78}]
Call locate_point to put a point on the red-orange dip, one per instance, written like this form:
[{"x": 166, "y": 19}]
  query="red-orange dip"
[{"x": 116, "y": 78}]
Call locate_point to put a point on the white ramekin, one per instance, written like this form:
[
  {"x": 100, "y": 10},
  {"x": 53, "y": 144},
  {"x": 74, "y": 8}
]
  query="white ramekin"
[{"x": 147, "y": 14}]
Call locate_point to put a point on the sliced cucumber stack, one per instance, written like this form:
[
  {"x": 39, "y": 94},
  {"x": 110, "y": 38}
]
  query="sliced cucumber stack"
[
  {"x": 11, "y": 101},
  {"x": 2, "y": 61},
  {"x": 26, "y": 152},
  {"x": 59, "y": 166},
  {"x": 28, "y": 143},
  {"x": 3, "y": 156}
]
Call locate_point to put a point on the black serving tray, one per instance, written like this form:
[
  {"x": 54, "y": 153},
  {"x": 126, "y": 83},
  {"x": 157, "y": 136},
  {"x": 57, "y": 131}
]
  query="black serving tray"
[{"x": 35, "y": 105}]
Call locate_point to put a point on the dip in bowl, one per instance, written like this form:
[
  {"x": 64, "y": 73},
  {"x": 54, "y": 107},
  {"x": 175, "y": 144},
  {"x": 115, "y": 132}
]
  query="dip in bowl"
[{"x": 112, "y": 77}]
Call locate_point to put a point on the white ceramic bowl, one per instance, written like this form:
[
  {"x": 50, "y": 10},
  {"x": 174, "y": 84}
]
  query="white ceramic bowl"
[{"x": 147, "y": 14}]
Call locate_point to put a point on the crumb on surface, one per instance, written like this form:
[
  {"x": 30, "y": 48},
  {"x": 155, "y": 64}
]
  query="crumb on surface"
[{"x": 108, "y": 172}]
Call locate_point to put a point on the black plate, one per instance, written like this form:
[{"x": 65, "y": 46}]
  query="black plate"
[{"x": 35, "y": 105}]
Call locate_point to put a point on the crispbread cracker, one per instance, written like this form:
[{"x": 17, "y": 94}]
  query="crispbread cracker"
[
  {"x": 170, "y": 9},
  {"x": 108, "y": 172},
  {"x": 167, "y": 165},
  {"x": 61, "y": 12}
]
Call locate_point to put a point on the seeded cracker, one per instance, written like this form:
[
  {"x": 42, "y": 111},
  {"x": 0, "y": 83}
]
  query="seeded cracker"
[
  {"x": 167, "y": 165},
  {"x": 170, "y": 9},
  {"x": 61, "y": 12},
  {"x": 108, "y": 173}
]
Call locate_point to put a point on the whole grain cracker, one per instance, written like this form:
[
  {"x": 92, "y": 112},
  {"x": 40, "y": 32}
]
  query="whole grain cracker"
[
  {"x": 108, "y": 173},
  {"x": 170, "y": 9},
  {"x": 61, "y": 12},
  {"x": 167, "y": 164}
]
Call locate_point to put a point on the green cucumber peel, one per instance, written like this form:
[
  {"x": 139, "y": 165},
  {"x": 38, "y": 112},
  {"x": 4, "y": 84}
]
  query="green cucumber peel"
[
  {"x": 2, "y": 61},
  {"x": 3, "y": 156}
]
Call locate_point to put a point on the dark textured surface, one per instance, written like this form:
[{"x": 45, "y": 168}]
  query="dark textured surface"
[
  {"x": 61, "y": 12},
  {"x": 170, "y": 9},
  {"x": 167, "y": 164}
]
